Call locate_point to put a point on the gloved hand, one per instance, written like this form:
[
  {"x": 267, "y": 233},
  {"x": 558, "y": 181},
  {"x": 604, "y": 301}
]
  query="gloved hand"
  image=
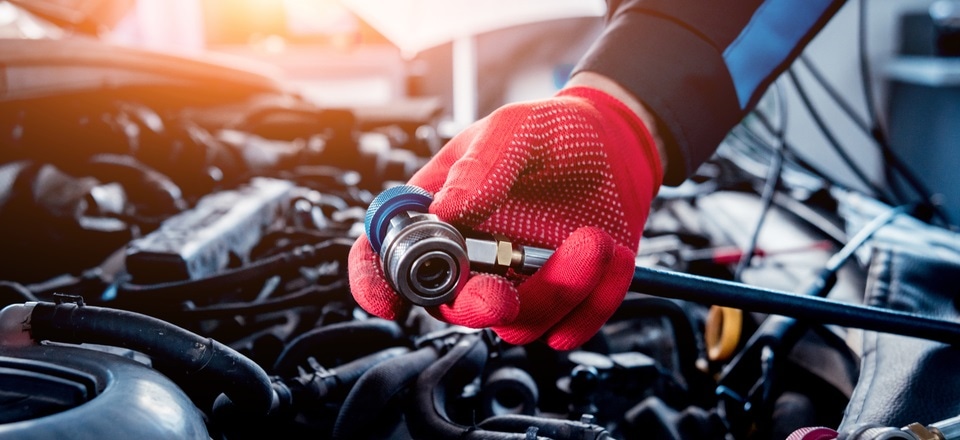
[{"x": 575, "y": 173}]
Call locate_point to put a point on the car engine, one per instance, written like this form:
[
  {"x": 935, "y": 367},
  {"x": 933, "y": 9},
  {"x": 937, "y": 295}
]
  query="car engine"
[{"x": 173, "y": 244}]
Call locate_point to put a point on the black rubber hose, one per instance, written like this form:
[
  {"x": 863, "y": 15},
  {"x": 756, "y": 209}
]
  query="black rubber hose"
[
  {"x": 338, "y": 381},
  {"x": 349, "y": 373},
  {"x": 156, "y": 295},
  {"x": 323, "y": 389},
  {"x": 149, "y": 187},
  {"x": 687, "y": 349},
  {"x": 677, "y": 285},
  {"x": 174, "y": 349},
  {"x": 375, "y": 389},
  {"x": 637, "y": 306},
  {"x": 427, "y": 415},
  {"x": 351, "y": 340}
]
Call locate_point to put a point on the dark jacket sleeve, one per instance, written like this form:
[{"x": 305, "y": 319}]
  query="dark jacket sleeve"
[{"x": 700, "y": 65}]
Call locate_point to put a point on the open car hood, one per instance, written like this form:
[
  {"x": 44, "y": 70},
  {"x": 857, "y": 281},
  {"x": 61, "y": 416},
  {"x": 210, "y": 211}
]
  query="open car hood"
[
  {"x": 86, "y": 16},
  {"x": 37, "y": 68}
]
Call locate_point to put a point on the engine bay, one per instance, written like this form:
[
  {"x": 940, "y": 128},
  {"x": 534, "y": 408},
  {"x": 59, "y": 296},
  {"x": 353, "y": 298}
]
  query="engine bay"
[{"x": 173, "y": 258}]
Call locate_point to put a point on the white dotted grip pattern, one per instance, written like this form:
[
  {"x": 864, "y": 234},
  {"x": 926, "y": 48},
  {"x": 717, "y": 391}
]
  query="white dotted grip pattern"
[{"x": 542, "y": 170}]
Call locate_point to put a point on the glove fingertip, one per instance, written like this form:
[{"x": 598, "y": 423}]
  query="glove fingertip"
[
  {"x": 367, "y": 284},
  {"x": 558, "y": 289},
  {"x": 595, "y": 310},
  {"x": 567, "y": 342},
  {"x": 449, "y": 203},
  {"x": 516, "y": 336},
  {"x": 485, "y": 301}
]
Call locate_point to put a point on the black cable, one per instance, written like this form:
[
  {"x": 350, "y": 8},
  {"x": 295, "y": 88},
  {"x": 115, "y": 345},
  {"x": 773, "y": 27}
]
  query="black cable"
[
  {"x": 869, "y": 128},
  {"x": 872, "y": 130},
  {"x": 827, "y": 277},
  {"x": 832, "y": 140},
  {"x": 748, "y": 137},
  {"x": 875, "y": 128},
  {"x": 311, "y": 295},
  {"x": 863, "y": 235},
  {"x": 847, "y": 108},
  {"x": 766, "y": 200},
  {"x": 746, "y": 134},
  {"x": 865, "y": 78},
  {"x": 770, "y": 188},
  {"x": 463, "y": 362}
]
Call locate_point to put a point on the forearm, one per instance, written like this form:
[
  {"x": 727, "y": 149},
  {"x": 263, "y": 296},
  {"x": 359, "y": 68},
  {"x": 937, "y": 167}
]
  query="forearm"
[{"x": 699, "y": 66}]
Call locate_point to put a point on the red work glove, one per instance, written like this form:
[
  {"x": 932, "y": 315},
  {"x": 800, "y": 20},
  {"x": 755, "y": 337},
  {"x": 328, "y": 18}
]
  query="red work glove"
[{"x": 575, "y": 173}]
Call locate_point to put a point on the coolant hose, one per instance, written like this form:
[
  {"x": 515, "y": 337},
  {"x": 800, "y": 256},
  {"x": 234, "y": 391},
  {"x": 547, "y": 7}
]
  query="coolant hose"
[
  {"x": 645, "y": 306},
  {"x": 427, "y": 416},
  {"x": 174, "y": 349},
  {"x": 349, "y": 373},
  {"x": 374, "y": 391},
  {"x": 352, "y": 339},
  {"x": 699, "y": 385}
]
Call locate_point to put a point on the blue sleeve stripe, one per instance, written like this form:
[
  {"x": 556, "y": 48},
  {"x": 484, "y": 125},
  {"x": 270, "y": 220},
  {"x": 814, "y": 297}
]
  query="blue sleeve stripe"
[{"x": 774, "y": 31}]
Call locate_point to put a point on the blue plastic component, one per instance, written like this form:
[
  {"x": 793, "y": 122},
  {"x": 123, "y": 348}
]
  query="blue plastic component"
[{"x": 388, "y": 204}]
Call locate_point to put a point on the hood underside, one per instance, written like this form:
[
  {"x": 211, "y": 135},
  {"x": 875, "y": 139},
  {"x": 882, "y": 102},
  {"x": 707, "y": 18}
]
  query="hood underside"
[{"x": 86, "y": 16}]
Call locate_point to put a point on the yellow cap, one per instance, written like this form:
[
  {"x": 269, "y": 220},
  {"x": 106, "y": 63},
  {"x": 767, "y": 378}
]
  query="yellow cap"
[{"x": 722, "y": 334}]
